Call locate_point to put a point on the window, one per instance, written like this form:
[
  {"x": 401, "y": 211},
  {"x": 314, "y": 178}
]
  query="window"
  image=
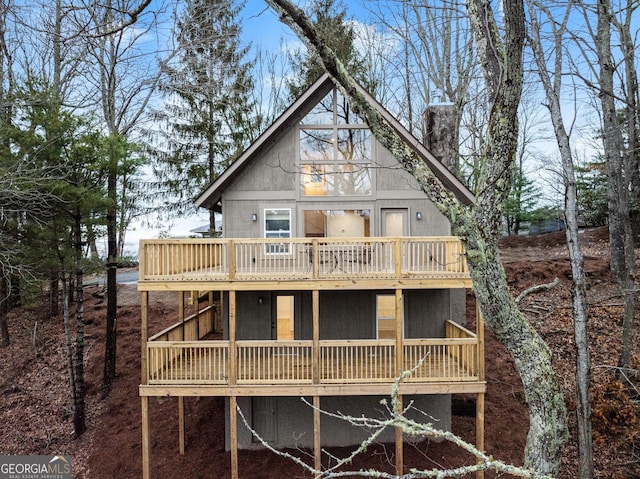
[
  {"x": 277, "y": 224},
  {"x": 336, "y": 223},
  {"x": 335, "y": 150}
]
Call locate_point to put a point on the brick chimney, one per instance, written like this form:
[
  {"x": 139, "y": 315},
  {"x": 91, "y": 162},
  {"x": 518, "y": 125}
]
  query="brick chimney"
[{"x": 438, "y": 125}]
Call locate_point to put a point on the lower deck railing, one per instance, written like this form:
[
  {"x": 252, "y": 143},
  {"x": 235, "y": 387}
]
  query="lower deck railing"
[{"x": 291, "y": 362}]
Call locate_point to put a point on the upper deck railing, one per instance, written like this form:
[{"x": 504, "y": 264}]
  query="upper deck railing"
[{"x": 265, "y": 259}]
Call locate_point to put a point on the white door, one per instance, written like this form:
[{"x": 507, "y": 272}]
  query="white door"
[{"x": 395, "y": 222}]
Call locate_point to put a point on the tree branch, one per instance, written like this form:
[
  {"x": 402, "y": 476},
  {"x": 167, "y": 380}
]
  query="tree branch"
[
  {"x": 409, "y": 427},
  {"x": 537, "y": 289}
]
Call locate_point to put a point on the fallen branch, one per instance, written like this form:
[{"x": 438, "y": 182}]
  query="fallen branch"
[
  {"x": 395, "y": 418},
  {"x": 536, "y": 289}
]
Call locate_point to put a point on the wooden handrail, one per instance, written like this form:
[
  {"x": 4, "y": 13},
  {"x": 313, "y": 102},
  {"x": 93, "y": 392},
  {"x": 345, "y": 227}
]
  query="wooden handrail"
[
  {"x": 456, "y": 330},
  {"x": 165, "y": 333},
  {"x": 252, "y": 259},
  {"x": 339, "y": 362}
]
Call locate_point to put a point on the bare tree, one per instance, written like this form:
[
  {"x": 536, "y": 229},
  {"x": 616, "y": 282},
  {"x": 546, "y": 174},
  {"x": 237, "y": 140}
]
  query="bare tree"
[
  {"x": 619, "y": 171},
  {"x": 499, "y": 50},
  {"x": 113, "y": 32},
  {"x": 630, "y": 173},
  {"x": 524, "y": 196},
  {"x": 551, "y": 74},
  {"x": 627, "y": 31},
  {"x": 436, "y": 62},
  {"x": 6, "y": 117}
]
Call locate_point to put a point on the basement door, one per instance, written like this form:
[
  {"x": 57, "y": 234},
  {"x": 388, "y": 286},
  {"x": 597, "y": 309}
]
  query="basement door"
[{"x": 265, "y": 418}]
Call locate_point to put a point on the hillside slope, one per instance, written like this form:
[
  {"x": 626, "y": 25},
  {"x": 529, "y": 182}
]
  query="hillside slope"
[{"x": 36, "y": 419}]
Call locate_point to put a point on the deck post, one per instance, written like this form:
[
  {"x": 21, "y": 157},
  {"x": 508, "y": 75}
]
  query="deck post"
[
  {"x": 144, "y": 400},
  {"x": 317, "y": 445},
  {"x": 144, "y": 335},
  {"x": 181, "y": 424},
  {"x": 181, "y": 312},
  {"x": 399, "y": 368},
  {"x": 232, "y": 260},
  {"x": 145, "y": 437},
  {"x": 315, "y": 367},
  {"x": 480, "y": 428},
  {"x": 399, "y": 342},
  {"x": 398, "y": 257},
  {"x": 480, "y": 335},
  {"x": 399, "y": 443},
  {"x": 232, "y": 338},
  {"x": 233, "y": 433},
  {"x": 481, "y": 377}
]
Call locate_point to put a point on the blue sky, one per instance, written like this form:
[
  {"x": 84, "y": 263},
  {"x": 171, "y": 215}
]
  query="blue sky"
[{"x": 261, "y": 24}]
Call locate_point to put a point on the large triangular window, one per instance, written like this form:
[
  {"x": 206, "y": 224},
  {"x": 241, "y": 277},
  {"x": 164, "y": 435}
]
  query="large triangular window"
[{"x": 335, "y": 150}]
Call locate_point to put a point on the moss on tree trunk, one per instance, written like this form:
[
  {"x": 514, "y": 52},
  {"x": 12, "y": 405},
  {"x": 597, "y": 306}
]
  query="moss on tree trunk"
[{"x": 478, "y": 225}]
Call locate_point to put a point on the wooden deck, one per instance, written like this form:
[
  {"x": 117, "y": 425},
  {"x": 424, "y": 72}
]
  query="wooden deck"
[
  {"x": 300, "y": 259},
  {"x": 264, "y": 364},
  {"x": 182, "y": 361}
]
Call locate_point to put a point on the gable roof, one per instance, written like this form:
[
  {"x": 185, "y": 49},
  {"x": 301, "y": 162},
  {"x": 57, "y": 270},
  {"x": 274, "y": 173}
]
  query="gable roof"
[{"x": 210, "y": 197}]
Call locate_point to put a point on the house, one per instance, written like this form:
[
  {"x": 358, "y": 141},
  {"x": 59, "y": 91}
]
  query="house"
[{"x": 334, "y": 273}]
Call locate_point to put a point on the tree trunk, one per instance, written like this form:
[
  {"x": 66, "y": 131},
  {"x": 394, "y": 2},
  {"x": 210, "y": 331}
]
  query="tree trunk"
[
  {"x": 580, "y": 324},
  {"x": 620, "y": 234},
  {"x": 4, "y": 310},
  {"x": 631, "y": 185},
  {"x": 580, "y": 317},
  {"x": 68, "y": 343},
  {"x": 478, "y": 227},
  {"x": 627, "y": 32},
  {"x": 547, "y": 412},
  {"x": 54, "y": 293},
  {"x": 501, "y": 61},
  {"x": 91, "y": 241},
  {"x": 79, "y": 422},
  {"x": 112, "y": 285}
]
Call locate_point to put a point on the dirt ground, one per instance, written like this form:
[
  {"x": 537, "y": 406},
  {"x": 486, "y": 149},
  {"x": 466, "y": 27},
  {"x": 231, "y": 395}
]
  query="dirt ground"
[{"x": 35, "y": 409}]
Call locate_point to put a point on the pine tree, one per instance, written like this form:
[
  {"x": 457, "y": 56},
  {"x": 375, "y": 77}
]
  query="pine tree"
[
  {"x": 521, "y": 201},
  {"x": 68, "y": 154},
  {"x": 207, "y": 103},
  {"x": 592, "y": 187},
  {"x": 330, "y": 18}
]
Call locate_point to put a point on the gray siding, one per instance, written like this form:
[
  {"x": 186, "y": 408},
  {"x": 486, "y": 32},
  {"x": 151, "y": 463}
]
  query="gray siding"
[
  {"x": 272, "y": 181},
  {"x": 275, "y": 168},
  {"x": 347, "y": 314},
  {"x": 391, "y": 176},
  {"x": 288, "y": 422},
  {"x": 425, "y": 313}
]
